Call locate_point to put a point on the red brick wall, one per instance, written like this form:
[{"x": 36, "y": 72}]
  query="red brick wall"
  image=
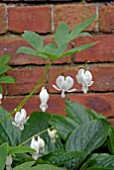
[{"x": 43, "y": 17}]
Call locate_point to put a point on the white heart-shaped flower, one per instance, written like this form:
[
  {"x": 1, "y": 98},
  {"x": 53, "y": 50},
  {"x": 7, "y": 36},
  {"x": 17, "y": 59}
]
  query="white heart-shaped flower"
[
  {"x": 64, "y": 84},
  {"x": 85, "y": 78},
  {"x": 44, "y": 97}
]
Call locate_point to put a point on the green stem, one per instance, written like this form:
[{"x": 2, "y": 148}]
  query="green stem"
[
  {"x": 37, "y": 134},
  {"x": 38, "y": 85}
]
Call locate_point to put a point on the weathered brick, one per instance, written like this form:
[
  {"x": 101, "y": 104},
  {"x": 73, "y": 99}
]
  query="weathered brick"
[
  {"x": 101, "y": 52},
  {"x": 3, "y": 26},
  {"x": 111, "y": 120},
  {"x": 106, "y": 18},
  {"x": 56, "y": 105},
  {"x": 34, "y": 18},
  {"x": 103, "y": 77},
  {"x": 26, "y": 79},
  {"x": 11, "y": 44},
  {"x": 74, "y": 14},
  {"x": 101, "y": 103},
  {"x": 10, "y": 103}
]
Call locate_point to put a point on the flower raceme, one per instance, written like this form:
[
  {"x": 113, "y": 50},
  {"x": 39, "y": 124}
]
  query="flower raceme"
[
  {"x": 64, "y": 84},
  {"x": 85, "y": 78},
  {"x": 20, "y": 119},
  {"x": 44, "y": 97},
  {"x": 38, "y": 146}
]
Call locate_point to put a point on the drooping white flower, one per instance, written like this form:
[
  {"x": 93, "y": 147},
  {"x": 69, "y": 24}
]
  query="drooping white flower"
[
  {"x": 85, "y": 78},
  {"x": 44, "y": 97},
  {"x": 34, "y": 145},
  {"x": 20, "y": 119},
  {"x": 1, "y": 96},
  {"x": 38, "y": 146},
  {"x": 41, "y": 144},
  {"x": 9, "y": 162},
  {"x": 52, "y": 134},
  {"x": 64, "y": 84}
]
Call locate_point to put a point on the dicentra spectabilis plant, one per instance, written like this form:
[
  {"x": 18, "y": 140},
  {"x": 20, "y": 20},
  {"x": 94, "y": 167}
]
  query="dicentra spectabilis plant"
[{"x": 81, "y": 140}]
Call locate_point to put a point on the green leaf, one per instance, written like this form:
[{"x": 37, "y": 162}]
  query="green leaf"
[
  {"x": 26, "y": 50},
  {"x": 110, "y": 140},
  {"x": 1, "y": 89},
  {"x": 3, "y": 155},
  {"x": 64, "y": 127},
  {"x": 50, "y": 48},
  {"x": 59, "y": 51},
  {"x": 7, "y": 79},
  {"x": 101, "y": 161},
  {"x": 78, "y": 29},
  {"x": 46, "y": 167},
  {"x": 78, "y": 112},
  {"x": 5, "y": 59},
  {"x": 83, "y": 34},
  {"x": 33, "y": 39},
  {"x": 4, "y": 69},
  {"x": 8, "y": 132},
  {"x": 20, "y": 149},
  {"x": 77, "y": 49},
  {"x": 25, "y": 166},
  {"x": 61, "y": 34},
  {"x": 37, "y": 122},
  {"x": 99, "y": 169},
  {"x": 60, "y": 157},
  {"x": 88, "y": 136}
]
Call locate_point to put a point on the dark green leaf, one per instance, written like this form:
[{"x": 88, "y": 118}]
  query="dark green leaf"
[
  {"x": 101, "y": 161},
  {"x": 4, "y": 69},
  {"x": 99, "y": 169},
  {"x": 60, "y": 157},
  {"x": 7, "y": 79},
  {"x": 8, "y": 132},
  {"x": 33, "y": 39},
  {"x": 24, "y": 166},
  {"x": 5, "y": 59},
  {"x": 3, "y": 155},
  {"x": 61, "y": 34},
  {"x": 37, "y": 122},
  {"x": 78, "y": 112},
  {"x": 64, "y": 127},
  {"x": 78, "y": 29},
  {"x": 20, "y": 149},
  {"x": 46, "y": 167},
  {"x": 110, "y": 140},
  {"x": 88, "y": 136}
]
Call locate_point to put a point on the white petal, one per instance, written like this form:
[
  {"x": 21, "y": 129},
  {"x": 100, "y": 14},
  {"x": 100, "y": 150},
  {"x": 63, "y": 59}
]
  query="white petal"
[
  {"x": 63, "y": 94},
  {"x": 91, "y": 83},
  {"x": 21, "y": 126},
  {"x": 55, "y": 87},
  {"x": 13, "y": 123},
  {"x": 43, "y": 107},
  {"x": 70, "y": 82},
  {"x": 84, "y": 89},
  {"x": 60, "y": 81},
  {"x": 9, "y": 160},
  {"x": 44, "y": 96},
  {"x": 72, "y": 90},
  {"x": 87, "y": 78},
  {"x": 34, "y": 145},
  {"x": 35, "y": 156},
  {"x": 79, "y": 76},
  {"x": 1, "y": 96}
]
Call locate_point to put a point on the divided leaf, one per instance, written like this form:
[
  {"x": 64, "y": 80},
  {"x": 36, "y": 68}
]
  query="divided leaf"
[{"x": 33, "y": 39}]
